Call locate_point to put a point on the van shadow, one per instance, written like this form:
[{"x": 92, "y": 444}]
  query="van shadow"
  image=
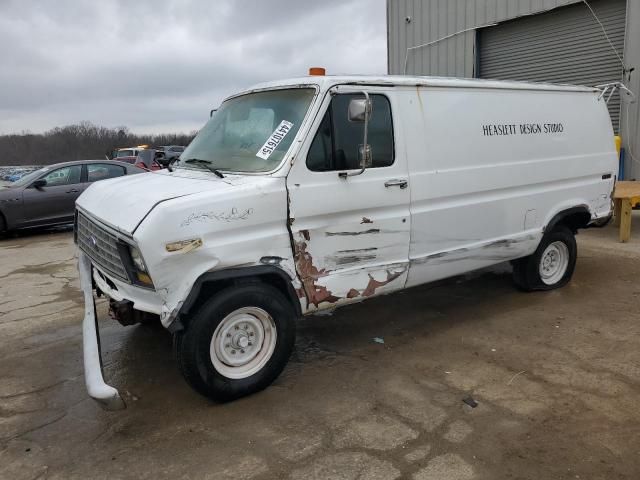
[
  {"x": 416, "y": 312},
  {"x": 144, "y": 362},
  {"x": 36, "y": 232}
]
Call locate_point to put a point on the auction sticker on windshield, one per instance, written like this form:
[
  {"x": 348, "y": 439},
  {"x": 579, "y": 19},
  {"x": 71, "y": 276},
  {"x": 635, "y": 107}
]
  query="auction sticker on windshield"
[{"x": 274, "y": 140}]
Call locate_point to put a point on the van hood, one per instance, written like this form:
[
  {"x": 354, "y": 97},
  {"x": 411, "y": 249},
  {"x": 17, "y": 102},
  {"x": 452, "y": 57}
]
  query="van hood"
[{"x": 122, "y": 203}]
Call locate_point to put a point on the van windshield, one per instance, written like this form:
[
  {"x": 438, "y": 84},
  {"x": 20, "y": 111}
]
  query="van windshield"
[{"x": 249, "y": 133}]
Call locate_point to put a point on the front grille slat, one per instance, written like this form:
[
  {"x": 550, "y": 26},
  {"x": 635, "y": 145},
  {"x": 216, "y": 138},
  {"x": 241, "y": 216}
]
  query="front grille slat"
[{"x": 101, "y": 246}]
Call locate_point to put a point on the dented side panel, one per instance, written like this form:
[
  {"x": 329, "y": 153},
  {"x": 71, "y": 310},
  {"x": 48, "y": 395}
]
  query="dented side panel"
[
  {"x": 331, "y": 276},
  {"x": 350, "y": 235},
  {"x": 236, "y": 221}
]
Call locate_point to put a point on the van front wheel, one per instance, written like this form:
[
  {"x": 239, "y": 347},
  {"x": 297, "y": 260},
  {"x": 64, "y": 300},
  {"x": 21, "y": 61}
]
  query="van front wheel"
[
  {"x": 238, "y": 342},
  {"x": 551, "y": 265}
]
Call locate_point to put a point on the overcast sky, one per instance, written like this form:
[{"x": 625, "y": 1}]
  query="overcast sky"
[{"x": 160, "y": 65}]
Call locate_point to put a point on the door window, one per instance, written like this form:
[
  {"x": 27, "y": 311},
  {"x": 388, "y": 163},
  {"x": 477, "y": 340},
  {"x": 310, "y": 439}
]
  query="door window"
[
  {"x": 338, "y": 141},
  {"x": 102, "y": 171},
  {"x": 64, "y": 176}
]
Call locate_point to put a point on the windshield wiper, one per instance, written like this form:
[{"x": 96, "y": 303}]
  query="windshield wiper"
[{"x": 206, "y": 164}]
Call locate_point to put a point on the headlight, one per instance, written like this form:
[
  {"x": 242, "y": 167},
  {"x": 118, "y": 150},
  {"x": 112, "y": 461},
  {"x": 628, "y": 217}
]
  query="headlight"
[
  {"x": 140, "y": 269},
  {"x": 136, "y": 257}
]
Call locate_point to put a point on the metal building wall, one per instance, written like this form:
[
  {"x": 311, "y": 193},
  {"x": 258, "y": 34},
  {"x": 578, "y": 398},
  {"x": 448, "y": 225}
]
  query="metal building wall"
[
  {"x": 455, "y": 57},
  {"x": 630, "y": 113},
  {"x": 434, "y": 19},
  {"x": 562, "y": 46}
]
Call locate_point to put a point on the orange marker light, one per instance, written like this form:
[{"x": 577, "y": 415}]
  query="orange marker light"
[{"x": 317, "y": 71}]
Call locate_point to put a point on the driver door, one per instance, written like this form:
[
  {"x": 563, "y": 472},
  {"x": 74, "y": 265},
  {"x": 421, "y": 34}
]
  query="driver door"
[
  {"x": 350, "y": 233},
  {"x": 55, "y": 202}
]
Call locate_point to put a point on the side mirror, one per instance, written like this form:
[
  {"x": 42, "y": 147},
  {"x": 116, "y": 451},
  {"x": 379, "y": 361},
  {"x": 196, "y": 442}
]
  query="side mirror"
[
  {"x": 360, "y": 109},
  {"x": 41, "y": 182}
]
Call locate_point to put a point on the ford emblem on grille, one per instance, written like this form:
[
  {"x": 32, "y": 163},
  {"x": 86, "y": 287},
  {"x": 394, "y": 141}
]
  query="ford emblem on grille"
[{"x": 93, "y": 240}]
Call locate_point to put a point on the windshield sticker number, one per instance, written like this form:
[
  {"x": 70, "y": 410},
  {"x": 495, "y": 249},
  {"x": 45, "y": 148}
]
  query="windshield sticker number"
[{"x": 274, "y": 140}]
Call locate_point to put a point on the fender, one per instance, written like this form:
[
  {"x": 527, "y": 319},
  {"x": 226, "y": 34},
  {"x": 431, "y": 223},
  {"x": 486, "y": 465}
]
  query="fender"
[
  {"x": 575, "y": 217},
  {"x": 233, "y": 275},
  {"x": 6, "y": 213},
  {"x": 3, "y": 218}
]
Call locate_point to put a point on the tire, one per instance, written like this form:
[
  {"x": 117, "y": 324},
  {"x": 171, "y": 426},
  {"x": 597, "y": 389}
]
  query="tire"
[
  {"x": 551, "y": 266},
  {"x": 207, "y": 349},
  {"x": 3, "y": 225}
]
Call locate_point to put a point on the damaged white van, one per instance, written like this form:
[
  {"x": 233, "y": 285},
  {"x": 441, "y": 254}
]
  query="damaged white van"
[{"x": 311, "y": 193}]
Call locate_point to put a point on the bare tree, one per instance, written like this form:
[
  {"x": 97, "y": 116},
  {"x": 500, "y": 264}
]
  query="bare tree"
[{"x": 77, "y": 142}]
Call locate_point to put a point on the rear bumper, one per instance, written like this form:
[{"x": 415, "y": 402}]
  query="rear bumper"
[{"x": 107, "y": 396}]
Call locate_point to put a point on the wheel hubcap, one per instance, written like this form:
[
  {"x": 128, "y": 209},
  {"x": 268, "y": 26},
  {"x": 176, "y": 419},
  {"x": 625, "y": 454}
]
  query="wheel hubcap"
[
  {"x": 243, "y": 342},
  {"x": 554, "y": 263}
]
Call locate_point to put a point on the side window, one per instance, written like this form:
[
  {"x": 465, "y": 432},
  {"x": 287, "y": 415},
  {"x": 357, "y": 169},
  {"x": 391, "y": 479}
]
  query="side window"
[
  {"x": 320, "y": 156},
  {"x": 338, "y": 141},
  {"x": 64, "y": 176},
  {"x": 102, "y": 171}
]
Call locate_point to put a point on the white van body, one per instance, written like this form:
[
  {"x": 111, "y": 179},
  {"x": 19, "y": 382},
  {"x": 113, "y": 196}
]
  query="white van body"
[{"x": 474, "y": 173}]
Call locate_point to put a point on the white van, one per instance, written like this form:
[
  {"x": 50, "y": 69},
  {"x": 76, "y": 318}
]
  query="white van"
[{"x": 311, "y": 193}]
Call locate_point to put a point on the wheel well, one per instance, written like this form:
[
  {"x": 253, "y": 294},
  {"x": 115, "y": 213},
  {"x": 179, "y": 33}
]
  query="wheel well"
[
  {"x": 209, "y": 284},
  {"x": 573, "y": 218}
]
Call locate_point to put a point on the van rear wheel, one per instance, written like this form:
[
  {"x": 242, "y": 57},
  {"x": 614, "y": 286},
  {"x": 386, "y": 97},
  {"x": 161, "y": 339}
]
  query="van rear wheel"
[
  {"x": 551, "y": 265},
  {"x": 238, "y": 342}
]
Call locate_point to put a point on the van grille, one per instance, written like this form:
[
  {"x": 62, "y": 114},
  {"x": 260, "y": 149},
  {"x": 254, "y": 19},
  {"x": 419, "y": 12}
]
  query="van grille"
[{"x": 101, "y": 246}]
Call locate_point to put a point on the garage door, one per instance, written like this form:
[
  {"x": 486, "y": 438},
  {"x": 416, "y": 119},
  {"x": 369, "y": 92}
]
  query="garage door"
[{"x": 565, "y": 45}]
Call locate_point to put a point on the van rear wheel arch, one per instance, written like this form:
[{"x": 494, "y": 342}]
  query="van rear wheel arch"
[{"x": 573, "y": 218}]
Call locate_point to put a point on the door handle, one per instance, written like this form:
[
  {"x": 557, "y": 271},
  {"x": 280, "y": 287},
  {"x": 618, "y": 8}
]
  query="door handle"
[
  {"x": 396, "y": 182},
  {"x": 73, "y": 190}
]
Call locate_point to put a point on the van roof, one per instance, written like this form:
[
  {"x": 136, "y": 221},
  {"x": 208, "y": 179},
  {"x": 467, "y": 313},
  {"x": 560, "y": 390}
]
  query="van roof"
[{"x": 328, "y": 81}]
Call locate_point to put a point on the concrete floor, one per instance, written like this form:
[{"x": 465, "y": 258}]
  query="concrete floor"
[{"x": 556, "y": 375}]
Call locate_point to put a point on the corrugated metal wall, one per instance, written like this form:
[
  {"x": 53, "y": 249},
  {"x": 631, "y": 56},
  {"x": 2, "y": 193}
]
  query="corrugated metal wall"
[
  {"x": 455, "y": 57},
  {"x": 630, "y": 113},
  {"x": 434, "y": 19},
  {"x": 563, "y": 46}
]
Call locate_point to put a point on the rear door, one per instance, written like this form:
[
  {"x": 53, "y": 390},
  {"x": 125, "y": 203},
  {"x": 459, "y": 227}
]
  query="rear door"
[
  {"x": 350, "y": 234},
  {"x": 103, "y": 171},
  {"x": 54, "y": 202}
]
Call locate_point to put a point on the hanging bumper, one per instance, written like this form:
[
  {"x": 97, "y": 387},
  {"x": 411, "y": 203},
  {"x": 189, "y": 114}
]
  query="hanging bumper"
[{"x": 107, "y": 396}]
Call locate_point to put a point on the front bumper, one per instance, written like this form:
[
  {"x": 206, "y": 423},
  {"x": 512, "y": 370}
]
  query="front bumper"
[{"x": 107, "y": 396}]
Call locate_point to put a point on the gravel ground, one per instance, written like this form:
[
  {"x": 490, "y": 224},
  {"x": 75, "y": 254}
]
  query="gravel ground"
[{"x": 556, "y": 376}]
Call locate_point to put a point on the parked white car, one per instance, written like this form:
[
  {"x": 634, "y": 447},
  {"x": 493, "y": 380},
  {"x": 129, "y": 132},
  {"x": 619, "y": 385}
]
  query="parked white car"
[
  {"x": 311, "y": 193},
  {"x": 171, "y": 152}
]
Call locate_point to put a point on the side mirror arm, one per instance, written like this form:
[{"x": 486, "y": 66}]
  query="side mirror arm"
[{"x": 364, "y": 144}]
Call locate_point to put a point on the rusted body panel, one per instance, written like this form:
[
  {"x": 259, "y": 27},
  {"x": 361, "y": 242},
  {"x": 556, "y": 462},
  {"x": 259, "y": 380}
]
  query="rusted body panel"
[
  {"x": 340, "y": 278},
  {"x": 350, "y": 234}
]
